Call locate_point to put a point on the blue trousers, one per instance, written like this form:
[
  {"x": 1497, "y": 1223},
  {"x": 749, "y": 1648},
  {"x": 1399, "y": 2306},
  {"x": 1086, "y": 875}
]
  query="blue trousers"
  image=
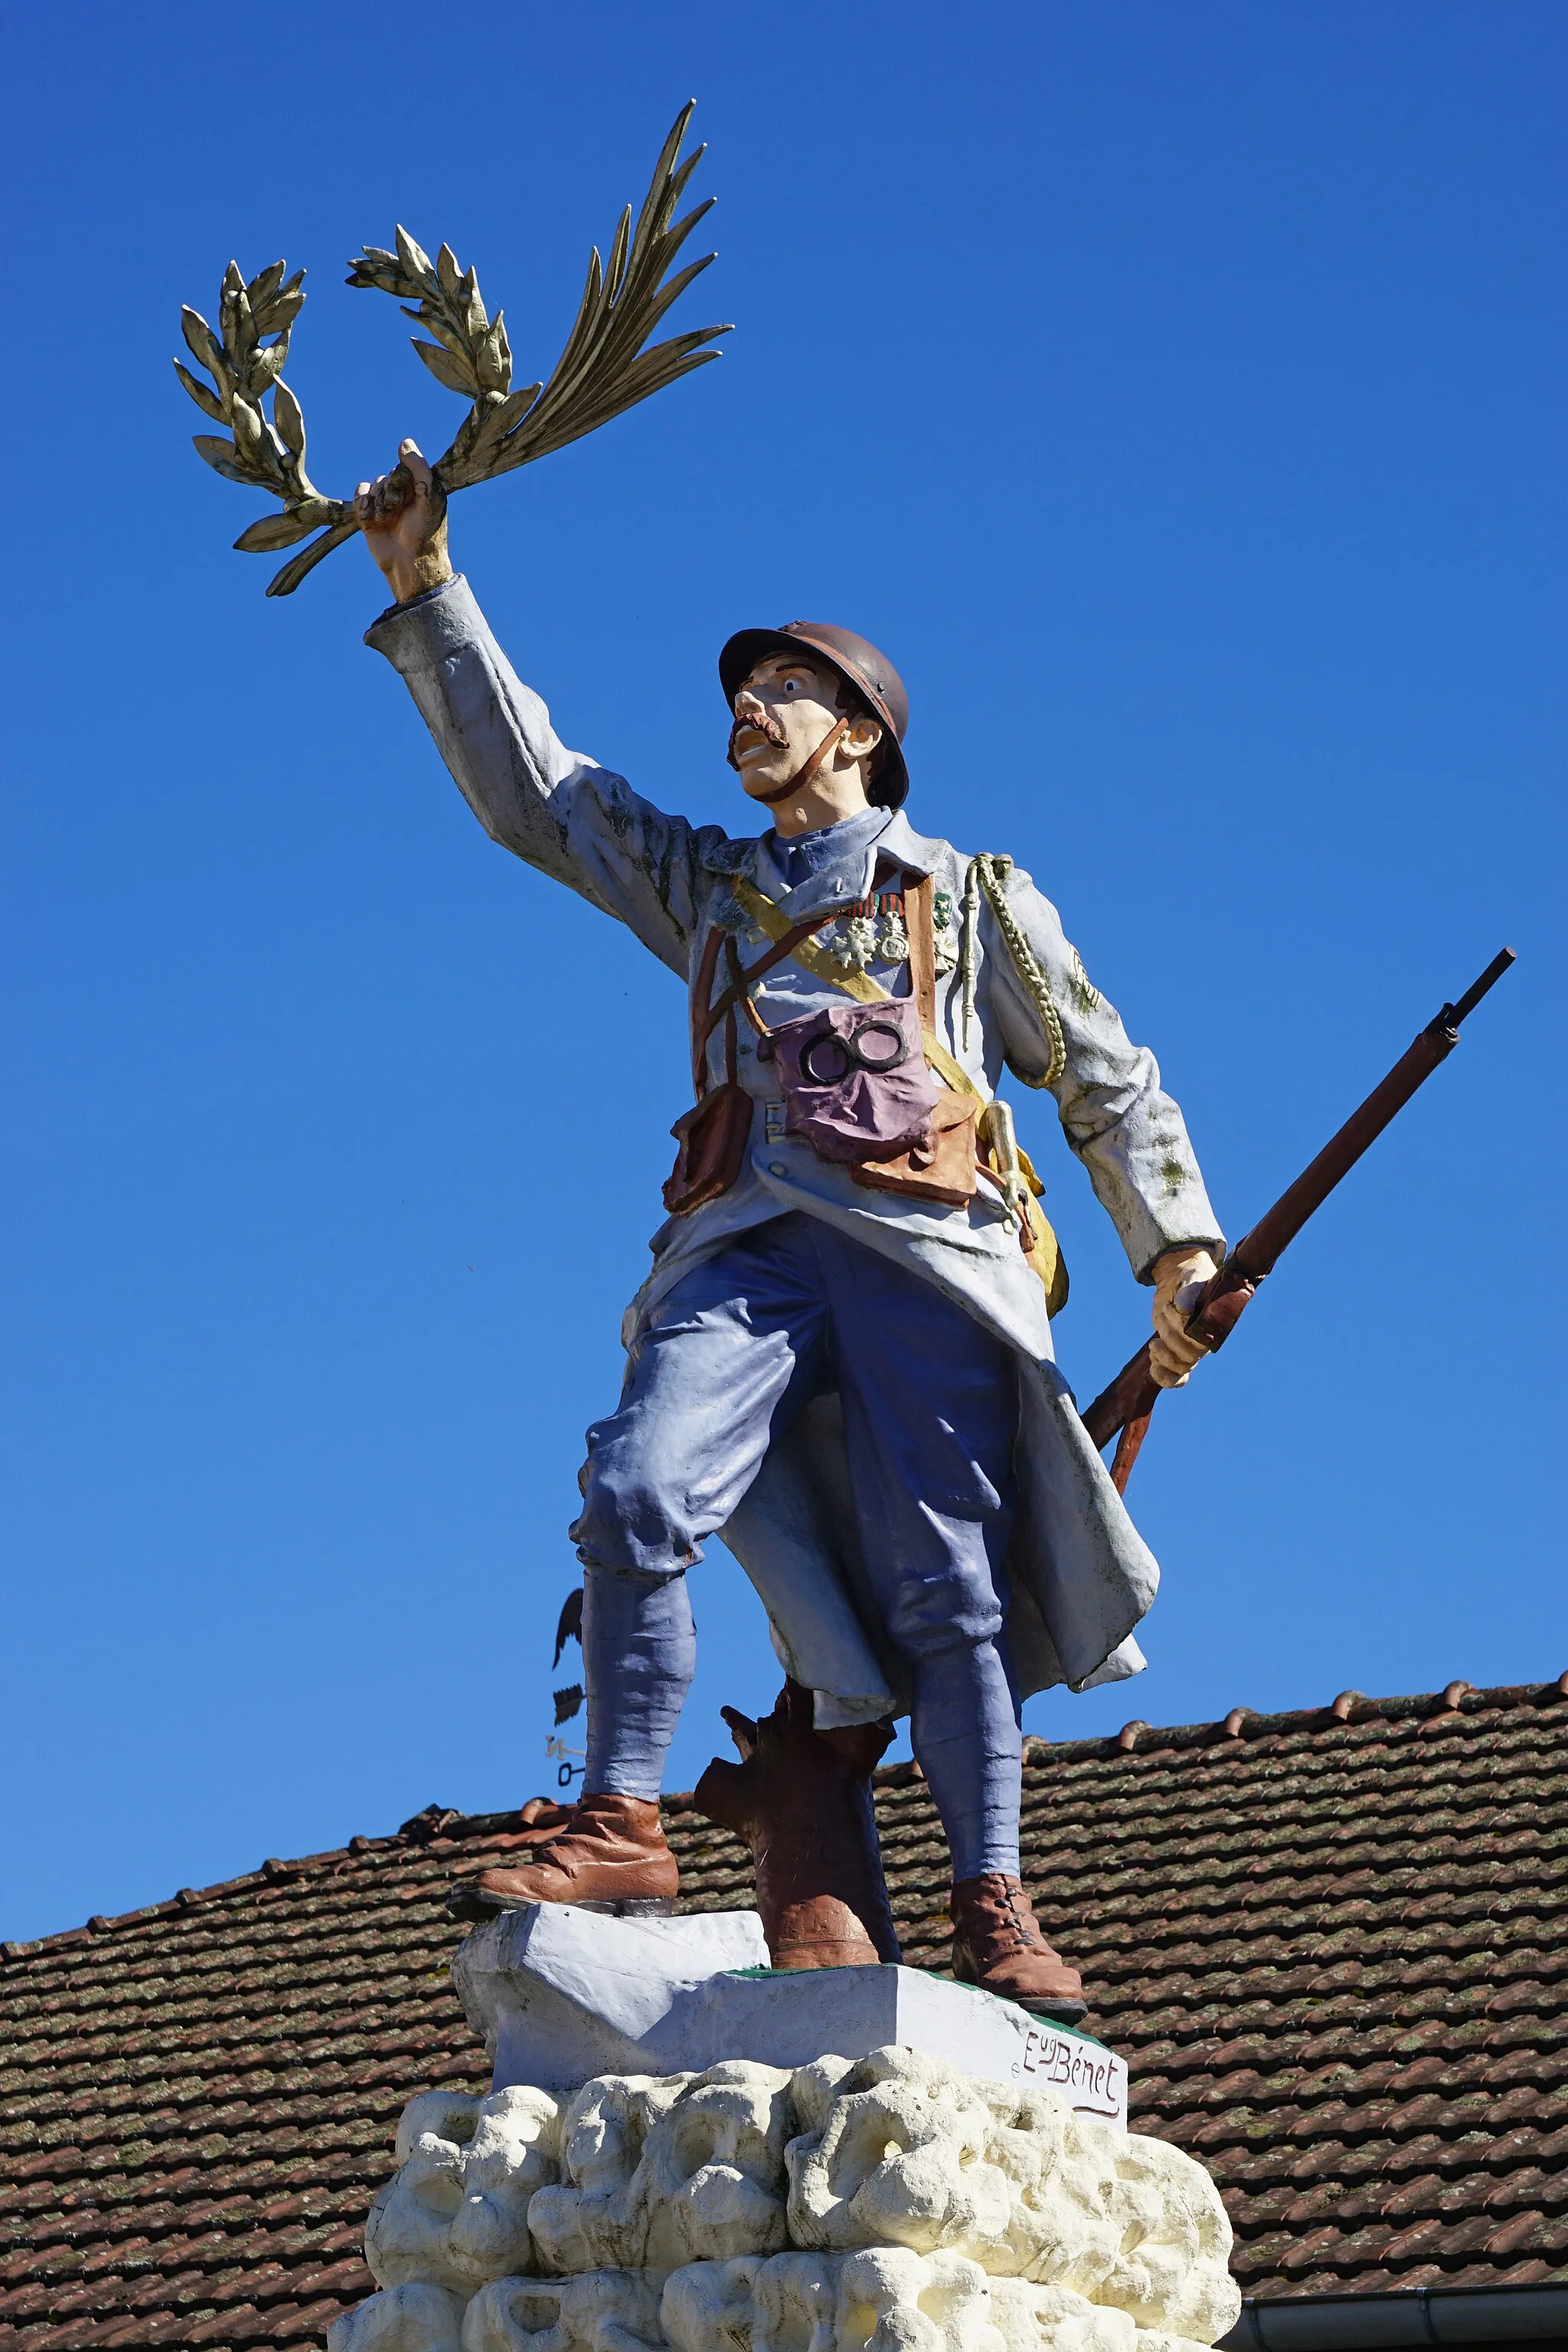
[{"x": 733, "y": 1354}]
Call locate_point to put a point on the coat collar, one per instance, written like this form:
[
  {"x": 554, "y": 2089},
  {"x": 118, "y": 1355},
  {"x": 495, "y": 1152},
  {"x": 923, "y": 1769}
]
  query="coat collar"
[
  {"x": 912, "y": 850},
  {"x": 897, "y": 845},
  {"x": 897, "y": 842}
]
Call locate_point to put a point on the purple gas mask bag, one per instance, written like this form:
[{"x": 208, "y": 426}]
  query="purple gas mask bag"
[{"x": 855, "y": 1079}]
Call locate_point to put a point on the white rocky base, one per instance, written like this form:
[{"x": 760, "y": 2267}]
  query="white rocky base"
[{"x": 887, "y": 2204}]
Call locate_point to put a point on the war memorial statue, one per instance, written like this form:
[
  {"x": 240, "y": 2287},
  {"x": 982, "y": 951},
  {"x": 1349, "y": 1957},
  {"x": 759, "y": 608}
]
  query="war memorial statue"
[{"x": 841, "y": 1361}]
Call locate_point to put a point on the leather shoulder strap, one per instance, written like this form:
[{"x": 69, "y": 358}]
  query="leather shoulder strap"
[
  {"x": 786, "y": 942},
  {"x": 919, "y": 924},
  {"x": 701, "y": 1015}
]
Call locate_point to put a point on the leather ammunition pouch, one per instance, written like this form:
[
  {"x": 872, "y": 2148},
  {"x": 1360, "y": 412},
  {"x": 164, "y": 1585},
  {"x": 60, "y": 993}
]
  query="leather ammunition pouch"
[
  {"x": 712, "y": 1136},
  {"x": 940, "y": 1170}
]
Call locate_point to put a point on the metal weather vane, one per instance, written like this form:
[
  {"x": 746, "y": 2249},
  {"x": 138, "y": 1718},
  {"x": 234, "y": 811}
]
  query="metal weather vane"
[{"x": 605, "y": 366}]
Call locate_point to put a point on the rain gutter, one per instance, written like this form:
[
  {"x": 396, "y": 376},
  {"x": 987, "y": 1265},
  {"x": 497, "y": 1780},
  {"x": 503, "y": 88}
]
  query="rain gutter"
[{"x": 1498, "y": 2317}]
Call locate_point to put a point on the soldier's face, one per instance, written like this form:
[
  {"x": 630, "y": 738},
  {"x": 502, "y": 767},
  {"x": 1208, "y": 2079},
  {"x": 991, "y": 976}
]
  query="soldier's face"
[{"x": 784, "y": 709}]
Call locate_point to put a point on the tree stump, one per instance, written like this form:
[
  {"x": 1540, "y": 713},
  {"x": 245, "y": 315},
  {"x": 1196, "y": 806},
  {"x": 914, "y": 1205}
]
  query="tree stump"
[{"x": 802, "y": 1799}]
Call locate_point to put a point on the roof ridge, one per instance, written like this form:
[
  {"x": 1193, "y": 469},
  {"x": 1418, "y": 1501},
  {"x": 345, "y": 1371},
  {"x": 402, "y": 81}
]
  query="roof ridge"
[
  {"x": 1351, "y": 1706},
  {"x": 445, "y": 1822}
]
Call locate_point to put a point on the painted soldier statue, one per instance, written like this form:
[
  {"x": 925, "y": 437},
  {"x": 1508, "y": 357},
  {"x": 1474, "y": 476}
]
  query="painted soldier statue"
[{"x": 841, "y": 1361}]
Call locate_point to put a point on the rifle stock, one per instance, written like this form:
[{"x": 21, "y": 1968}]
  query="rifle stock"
[{"x": 1122, "y": 1409}]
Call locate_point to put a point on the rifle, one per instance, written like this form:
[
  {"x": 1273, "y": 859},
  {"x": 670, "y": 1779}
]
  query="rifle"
[{"x": 1126, "y": 1405}]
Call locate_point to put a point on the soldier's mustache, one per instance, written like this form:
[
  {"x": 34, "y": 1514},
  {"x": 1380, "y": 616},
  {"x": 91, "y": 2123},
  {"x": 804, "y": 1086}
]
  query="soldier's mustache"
[{"x": 760, "y": 722}]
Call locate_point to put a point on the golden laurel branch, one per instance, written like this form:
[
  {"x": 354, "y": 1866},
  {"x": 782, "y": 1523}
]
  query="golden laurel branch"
[{"x": 602, "y": 369}]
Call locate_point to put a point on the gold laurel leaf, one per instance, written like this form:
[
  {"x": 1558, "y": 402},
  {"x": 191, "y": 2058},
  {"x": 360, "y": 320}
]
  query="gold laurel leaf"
[
  {"x": 413, "y": 258},
  {"x": 288, "y": 419},
  {"x": 207, "y": 401},
  {"x": 275, "y": 531},
  {"x": 455, "y": 374},
  {"x": 221, "y": 456}
]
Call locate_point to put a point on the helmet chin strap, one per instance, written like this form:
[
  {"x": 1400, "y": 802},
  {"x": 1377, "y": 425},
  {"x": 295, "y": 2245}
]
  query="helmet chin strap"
[{"x": 803, "y": 777}]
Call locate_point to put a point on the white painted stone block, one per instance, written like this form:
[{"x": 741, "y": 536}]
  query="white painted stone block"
[{"x": 561, "y": 1994}]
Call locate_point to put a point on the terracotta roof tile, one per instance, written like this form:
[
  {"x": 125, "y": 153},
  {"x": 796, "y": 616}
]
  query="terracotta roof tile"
[{"x": 1329, "y": 1948}]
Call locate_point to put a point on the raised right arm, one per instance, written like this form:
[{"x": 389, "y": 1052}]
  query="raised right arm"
[{"x": 571, "y": 818}]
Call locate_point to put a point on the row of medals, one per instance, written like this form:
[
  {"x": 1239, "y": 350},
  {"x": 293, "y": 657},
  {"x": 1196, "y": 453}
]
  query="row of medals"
[{"x": 874, "y": 933}]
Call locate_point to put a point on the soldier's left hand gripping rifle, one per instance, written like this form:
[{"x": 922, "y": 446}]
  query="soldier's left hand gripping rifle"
[
  {"x": 1122, "y": 1409},
  {"x": 602, "y": 369}
]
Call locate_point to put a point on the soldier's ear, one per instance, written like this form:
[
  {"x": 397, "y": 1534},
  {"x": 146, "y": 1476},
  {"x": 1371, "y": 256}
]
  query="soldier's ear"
[{"x": 862, "y": 736}]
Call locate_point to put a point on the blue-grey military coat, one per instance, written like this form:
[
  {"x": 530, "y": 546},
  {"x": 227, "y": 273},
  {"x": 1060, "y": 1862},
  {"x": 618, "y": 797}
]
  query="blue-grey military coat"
[{"x": 1081, "y": 1575}]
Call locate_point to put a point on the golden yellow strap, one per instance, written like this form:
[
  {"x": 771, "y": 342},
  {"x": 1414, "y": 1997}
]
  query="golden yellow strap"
[{"x": 1047, "y": 1255}]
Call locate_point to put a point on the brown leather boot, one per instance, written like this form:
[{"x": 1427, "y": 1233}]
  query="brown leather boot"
[
  {"x": 610, "y": 1855},
  {"x": 537, "y": 1822},
  {"x": 997, "y": 1945}
]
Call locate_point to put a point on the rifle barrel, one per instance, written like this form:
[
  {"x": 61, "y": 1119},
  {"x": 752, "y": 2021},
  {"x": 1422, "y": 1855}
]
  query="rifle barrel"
[
  {"x": 1125, "y": 1406},
  {"x": 1452, "y": 1014},
  {"x": 1259, "y": 1250}
]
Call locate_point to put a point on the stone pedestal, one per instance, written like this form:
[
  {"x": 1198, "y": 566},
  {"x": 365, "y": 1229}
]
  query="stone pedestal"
[
  {"x": 686, "y": 2151},
  {"x": 891, "y": 2203},
  {"x": 561, "y": 1994}
]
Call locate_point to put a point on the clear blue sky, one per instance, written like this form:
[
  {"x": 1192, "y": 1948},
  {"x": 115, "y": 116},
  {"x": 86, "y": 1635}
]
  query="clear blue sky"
[{"x": 1176, "y": 393}]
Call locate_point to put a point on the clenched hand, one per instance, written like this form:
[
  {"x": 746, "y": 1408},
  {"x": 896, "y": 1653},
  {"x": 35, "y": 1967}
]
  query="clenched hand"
[
  {"x": 404, "y": 518},
  {"x": 1179, "y": 1278}
]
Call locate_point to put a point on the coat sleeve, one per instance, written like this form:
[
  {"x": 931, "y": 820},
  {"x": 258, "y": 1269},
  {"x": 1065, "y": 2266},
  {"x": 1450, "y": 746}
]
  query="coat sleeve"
[
  {"x": 1119, "y": 1120},
  {"x": 571, "y": 818}
]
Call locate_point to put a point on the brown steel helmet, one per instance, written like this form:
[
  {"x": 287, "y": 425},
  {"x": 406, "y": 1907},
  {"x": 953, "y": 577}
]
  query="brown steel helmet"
[{"x": 855, "y": 660}]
